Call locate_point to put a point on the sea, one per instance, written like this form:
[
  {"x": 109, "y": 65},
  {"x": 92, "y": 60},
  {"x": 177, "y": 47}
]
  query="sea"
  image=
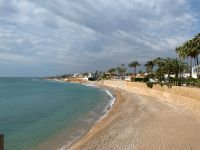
[{"x": 47, "y": 114}]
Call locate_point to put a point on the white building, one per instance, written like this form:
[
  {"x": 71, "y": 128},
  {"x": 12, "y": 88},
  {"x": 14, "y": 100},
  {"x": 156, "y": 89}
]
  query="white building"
[
  {"x": 75, "y": 75},
  {"x": 171, "y": 75},
  {"x": 127, "y": 78},
  {"x": 89, "y": 75},
  {"x": 194, "y": 71}
]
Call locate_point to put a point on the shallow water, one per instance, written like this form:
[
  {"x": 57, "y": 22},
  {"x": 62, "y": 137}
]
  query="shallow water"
[{"x": 34, "y": 111}]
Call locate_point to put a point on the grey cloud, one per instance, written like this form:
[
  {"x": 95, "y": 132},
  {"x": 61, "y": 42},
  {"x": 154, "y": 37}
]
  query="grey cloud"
[{"x": 76, "y": 35}]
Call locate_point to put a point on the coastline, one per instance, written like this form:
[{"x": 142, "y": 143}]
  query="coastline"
[
  {"x": 103, "y": 121},
  {"x": 168, "y": 116},
  {"x": 114, "y": 95},
  {"x": 58, "y": 141}
]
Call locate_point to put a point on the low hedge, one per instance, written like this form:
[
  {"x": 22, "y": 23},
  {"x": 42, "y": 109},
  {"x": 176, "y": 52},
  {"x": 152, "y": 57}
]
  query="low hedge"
[{"x": 138, "y": 79}]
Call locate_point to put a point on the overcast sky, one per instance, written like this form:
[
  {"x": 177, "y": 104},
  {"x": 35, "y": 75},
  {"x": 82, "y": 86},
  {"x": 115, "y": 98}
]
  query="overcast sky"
[{"x": 48, "y": 37}]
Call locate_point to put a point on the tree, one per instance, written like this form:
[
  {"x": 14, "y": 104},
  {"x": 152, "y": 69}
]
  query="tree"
[
  {"x": 134, "y": 65},
  {"x": 196, "y": 51},
  {"x": 188, "y": 50},
  {"x": 121, "y": 71},
  {"x": 149, "y": 66},
  {"x": 171, "y": 66},
  {"x": 97, "y": 74},
  {"x": 178, "y": 67},
  {"x": 111, "y": 71},
  {"x": 191, "y": 49},
  {"x": 158, "y": 61},
  {"x": 181, "y": 52}
]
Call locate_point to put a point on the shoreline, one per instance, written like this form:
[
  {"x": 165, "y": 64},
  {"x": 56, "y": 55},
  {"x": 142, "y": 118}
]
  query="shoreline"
[
  {"x": 59, "y": 139},
  {"x": 112, "y": 102},
  {"x": 103, "y": 121},
  {"x": 99, "y": 132}
]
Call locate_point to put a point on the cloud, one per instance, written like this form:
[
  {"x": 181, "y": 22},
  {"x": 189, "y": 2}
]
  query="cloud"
[{"x": 92, "y": 34}]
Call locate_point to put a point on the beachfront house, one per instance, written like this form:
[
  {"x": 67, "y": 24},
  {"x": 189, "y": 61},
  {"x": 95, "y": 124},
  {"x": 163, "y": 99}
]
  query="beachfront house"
[
  {"x": 87, "y": 77},
  {"x": 127, "y": 78},
  {"x": 194, "y": 71},
  {"x": 75, "y": 75}
]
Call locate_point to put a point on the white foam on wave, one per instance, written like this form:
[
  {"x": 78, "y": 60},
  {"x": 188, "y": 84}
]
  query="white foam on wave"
[
  {"x": 105, "y": 111},
  {"x": 90, "y": 84},
  {"x": 54, "y": 80},
  {"x": 112, "y": 100},
  {"x": 109, "y": 106}
]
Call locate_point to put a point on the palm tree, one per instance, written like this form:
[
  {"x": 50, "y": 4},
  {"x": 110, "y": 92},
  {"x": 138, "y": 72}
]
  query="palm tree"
[
  {"x": 158, "y": 61},
  {"x": 134, "y": 65},
  {"x": 111, "y": 71},
  {"x": 168, "y": 66},
  {"x": 178, "y": 67},
  {"x": 150, "y": 64},
  {"x": 181, "y": 52},
  {"x": 195, "y": 51},
  {"x": 183, "y": 66},
  {"x": 189, "y": 52},
  {"x": 120, "y": 71},
  {"x": 191, "y": 49},
  {"x": 123, "y": 71},
  {"x": 171, "y": 66},
  {"x": 185, "y": 51}
]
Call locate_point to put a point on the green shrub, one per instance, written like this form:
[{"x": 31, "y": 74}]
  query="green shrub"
[
  {"x": 186, "y": 81},
  {"x": 149, "y": 85},
  {"x": 138, "y": 79},
  {"x": 146, "y": 79}
]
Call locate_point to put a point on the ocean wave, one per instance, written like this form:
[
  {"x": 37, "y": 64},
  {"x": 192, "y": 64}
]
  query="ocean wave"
[
  {"x": 90, "y": 85},
  {"x": 112, "y": 100},
  {"x": 93, "y": 114},
  {"x": 34, "y": 80},
  {"x": 54, "y": 80},
  {"x": 109, "y": 105}
]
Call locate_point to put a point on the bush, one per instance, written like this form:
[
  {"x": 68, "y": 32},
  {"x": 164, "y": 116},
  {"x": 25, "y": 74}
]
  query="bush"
[
  {"x": 180, "y": 82},
  {"x": 92, "y": 79},
  {"x": 186, "y": 81},
  {"x": 146, "y": 79},
  {"x": 138, "y": 79},
  {"x": 149, "y": 85}
]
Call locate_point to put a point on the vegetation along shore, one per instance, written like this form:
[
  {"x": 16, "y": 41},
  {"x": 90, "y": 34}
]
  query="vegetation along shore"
[{"x": 155, "y": 109}]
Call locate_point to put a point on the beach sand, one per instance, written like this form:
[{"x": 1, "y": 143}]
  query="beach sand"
[{"x": 141, "y": 121}]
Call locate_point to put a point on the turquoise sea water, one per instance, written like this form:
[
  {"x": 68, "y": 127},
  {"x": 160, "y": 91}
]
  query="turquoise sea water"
[{"x": 34, "y": 111}]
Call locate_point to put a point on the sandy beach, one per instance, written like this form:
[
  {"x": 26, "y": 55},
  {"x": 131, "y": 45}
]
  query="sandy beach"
[{"x": 146, "y": 119}]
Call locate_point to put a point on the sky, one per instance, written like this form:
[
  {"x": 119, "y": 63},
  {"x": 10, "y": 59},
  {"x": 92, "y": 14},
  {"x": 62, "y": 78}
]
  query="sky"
[{"x": 49, "y": 37}]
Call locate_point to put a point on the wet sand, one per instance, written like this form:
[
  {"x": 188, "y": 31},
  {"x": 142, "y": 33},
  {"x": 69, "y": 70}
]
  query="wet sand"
[{"x": 143, "y": 122}]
